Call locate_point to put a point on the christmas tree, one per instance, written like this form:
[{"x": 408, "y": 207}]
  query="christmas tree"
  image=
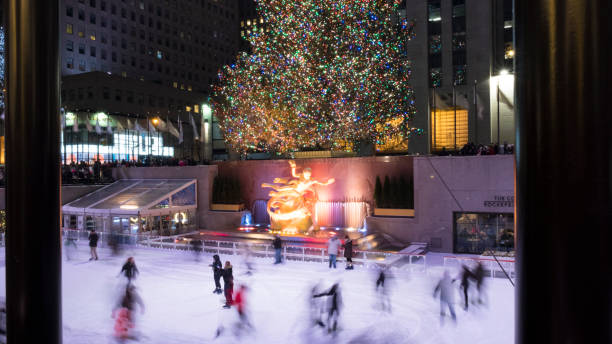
[{"x": 323, "y": 74}]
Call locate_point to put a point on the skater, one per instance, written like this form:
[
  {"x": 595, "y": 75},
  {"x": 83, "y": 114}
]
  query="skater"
[
  {"x": 479, "y": 275},
  {"x": 334, "y": 303},
  {"x": 93, "y": 244},
  {"x": 217, "y": 267},
  {"x": 70, "y": 244},
  {"x": 382, "y": 287},
  {"x": 348, "y": 252},
  {"x": 316, "y": 309},
  {"x": 240, "y": 302},
  {"x": 196, "y": 246},
  {"x": 465, "y": 276},
  {"x": 445, "y": 287},
  {"x": 124, "y": 314},
  {"x": 129, "y": 270},
  {"x": 277, "y": 244},
  {"x": 246, "y": 254},
  {"x": 332, "y": 249},
  {"x": 228, "y": 284}
]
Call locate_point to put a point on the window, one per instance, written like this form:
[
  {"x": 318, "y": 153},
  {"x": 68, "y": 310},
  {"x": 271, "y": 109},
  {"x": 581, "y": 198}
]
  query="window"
[
  {"x": 103, "y": 21},
  {"x": 103, "y": 54},
  {"x": 458, "y": 41},
  {"x": 92, "y": 51},
  {"x": 92, "y": 3},
  {"x": 459, "y": 74},
  {"x": 81, "y": 14},
  {"x": 92, "y": 35},
  {"x": 118, "y": 95},
  {"x": 89, "y": 93},
  {"x": 69, "y": 11},
  {"x": 449, "y": 127},
  {"x": 69, "y": 29},
  {"x": 435, "y": 77},
  {"x": 478, "y": 232},
  {"x": 81, "y": 48},
  {"x": 113, "y": 9},
  {"x": 114, "y": 56},
  {"x": 106, "y": 93},
  {"x": 130, "y": 97},
  {"x": 69, "y": 63},
  {"x": 81, "y": 32},
  {"x": 103, "y": 38},
  {"x": 69, "y": 46},
  {"x": 82, "y": 65},
  {"x": 92, "y": 18},
  {"x": 103, "y": 5}
]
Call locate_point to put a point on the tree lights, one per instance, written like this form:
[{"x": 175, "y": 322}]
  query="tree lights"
[{"x": 323, "y": 74}]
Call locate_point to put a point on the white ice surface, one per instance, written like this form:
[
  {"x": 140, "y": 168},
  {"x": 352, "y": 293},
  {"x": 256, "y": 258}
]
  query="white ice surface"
[{"x": 181, "y": 308}]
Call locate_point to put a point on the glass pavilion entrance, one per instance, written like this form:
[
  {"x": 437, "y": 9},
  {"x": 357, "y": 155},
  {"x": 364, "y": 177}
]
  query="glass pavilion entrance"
[{"x": 130, "y": 206}]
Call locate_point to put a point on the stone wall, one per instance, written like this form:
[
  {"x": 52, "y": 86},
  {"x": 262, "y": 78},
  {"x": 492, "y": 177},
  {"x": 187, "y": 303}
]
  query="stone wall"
[
  {"x": 355, "y": 177},
  {"x": 444, "y": 185}
]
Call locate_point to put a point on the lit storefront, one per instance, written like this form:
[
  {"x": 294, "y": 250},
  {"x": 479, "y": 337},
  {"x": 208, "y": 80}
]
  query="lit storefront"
[
  {"x": 156, "y": 206},
  {"x": 477, "y": 233}
]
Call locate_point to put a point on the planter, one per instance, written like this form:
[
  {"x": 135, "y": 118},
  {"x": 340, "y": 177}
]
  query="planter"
[
  {"x": 393, "y": 212},
  {"x": 227, "y": 207},
  {"x": 322, "y": 154}
]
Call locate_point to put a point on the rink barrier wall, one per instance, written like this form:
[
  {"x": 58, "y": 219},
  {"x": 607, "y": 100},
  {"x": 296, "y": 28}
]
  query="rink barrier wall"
[{"x": 368, "y": 259}]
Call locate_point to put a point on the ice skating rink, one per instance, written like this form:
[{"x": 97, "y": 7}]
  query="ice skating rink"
[{"x": 181, "y": 308}]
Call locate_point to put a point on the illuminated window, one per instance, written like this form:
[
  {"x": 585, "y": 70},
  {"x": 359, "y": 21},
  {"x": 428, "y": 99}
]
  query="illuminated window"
[
  {"x": 189, "y": 88},
  {"x": 449, "y": 132},
  {"x": 175, "y": 84},
  {"x": 81, "y": 33},
  {"x": 187, "y": 108},
  {"x": 92, "y": 36},
  {"x": 69, "y": 28},
  {"x": 196, "y": 108}
]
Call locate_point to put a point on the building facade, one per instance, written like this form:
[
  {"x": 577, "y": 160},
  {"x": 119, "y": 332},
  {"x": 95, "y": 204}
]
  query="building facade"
[
  {"x": 463, "y": 60},
  {"x": 143, "y": 59}
]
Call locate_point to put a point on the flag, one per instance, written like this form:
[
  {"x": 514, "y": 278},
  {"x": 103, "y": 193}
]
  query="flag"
[
  {"x": 196, "y": 136},
  {"x": 161, "y": 125},
  {"x": 462, "y": 101},
  {"x": 119, "y": 125},
  {"x": 62, "y": 118},
  {"x": 109, "y": 127},
  {"x": 138, "y": 127},
  {"x": 88, "y": 124},
  {"x": 130, "y": 124},
  {"x": 75, "y": 124},
  {"x": 439, "y": 103},
  {"x": 98, "y": 129},
  {"x": 172, "y": 130},
  {"x": 481, "y": 107},
  {"x": 180, "y": 131}
]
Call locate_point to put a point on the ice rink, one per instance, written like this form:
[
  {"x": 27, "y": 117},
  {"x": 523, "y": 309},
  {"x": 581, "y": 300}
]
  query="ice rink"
[{"x": 181, "y": 308}]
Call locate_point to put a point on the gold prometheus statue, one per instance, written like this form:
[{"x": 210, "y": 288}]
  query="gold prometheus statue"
[{"x": 292, "y": 201}]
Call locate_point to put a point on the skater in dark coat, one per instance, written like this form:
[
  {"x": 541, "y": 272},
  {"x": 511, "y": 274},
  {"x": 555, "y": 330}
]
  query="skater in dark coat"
[
  {"x": 278, "y": 245},
  {"x": 348, "y": 252},
  {"x": 228, "y": 284},
  {"x": 129, "y": 269},
  {"x": 217, "y": 267},
  {"x": 93, "y": 244},
  {"x": 479, "y": 275},
  {"x": 334, "y": 304},
  {"x": 466, "y": 275}
]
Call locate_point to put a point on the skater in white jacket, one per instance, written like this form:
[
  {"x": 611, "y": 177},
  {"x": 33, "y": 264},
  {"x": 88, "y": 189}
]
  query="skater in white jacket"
[{"x": 332, "y": 249}]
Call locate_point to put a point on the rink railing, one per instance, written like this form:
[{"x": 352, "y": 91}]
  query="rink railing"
[
  {"x": 416, "y": 262},
  {"x": 289, "y": 252},
  {"x": 490, "y": 265}
]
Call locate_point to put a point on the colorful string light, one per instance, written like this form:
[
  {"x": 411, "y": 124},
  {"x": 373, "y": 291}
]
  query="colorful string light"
[{"x": 323, "y": 74}]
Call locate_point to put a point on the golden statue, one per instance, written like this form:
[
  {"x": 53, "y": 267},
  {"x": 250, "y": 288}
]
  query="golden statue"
[{"x": 292, "y": 202}]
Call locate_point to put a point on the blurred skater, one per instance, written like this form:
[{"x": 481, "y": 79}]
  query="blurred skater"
[
  {"x": 278, "y": 245},
  {"x": 217, "y": 268},
  {"x": 113, "y": 243},
  {"x": 445, "y": 288},
  {"x": 129, "y": 270},
  {"x": 228, "y": 284},
  {"x": 70, "y": 245},
  {"x": 93, "y": 244},
  {"x": 334, "y": 302},
  {"x": 332, "y": 249},
  {"x": 465, "y": 276},
  {"x": 196, "y": 247},
  {"x": 124, "y": 315},
  {"x": 240, "y": 302},
  {"x": 247, "y": 254},
  {"x": 382, "y": 288},
  {"x": 479, "y": 275},
  {"x": 348, "y": 252},
  {"x": 316, "y": 308}
]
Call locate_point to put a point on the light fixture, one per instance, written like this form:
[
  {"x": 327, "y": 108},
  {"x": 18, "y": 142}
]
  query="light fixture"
[{"x": 503, "y": 72}]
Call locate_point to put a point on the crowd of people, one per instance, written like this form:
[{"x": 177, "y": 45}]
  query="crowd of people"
[{"x": 471, "y": 148}]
